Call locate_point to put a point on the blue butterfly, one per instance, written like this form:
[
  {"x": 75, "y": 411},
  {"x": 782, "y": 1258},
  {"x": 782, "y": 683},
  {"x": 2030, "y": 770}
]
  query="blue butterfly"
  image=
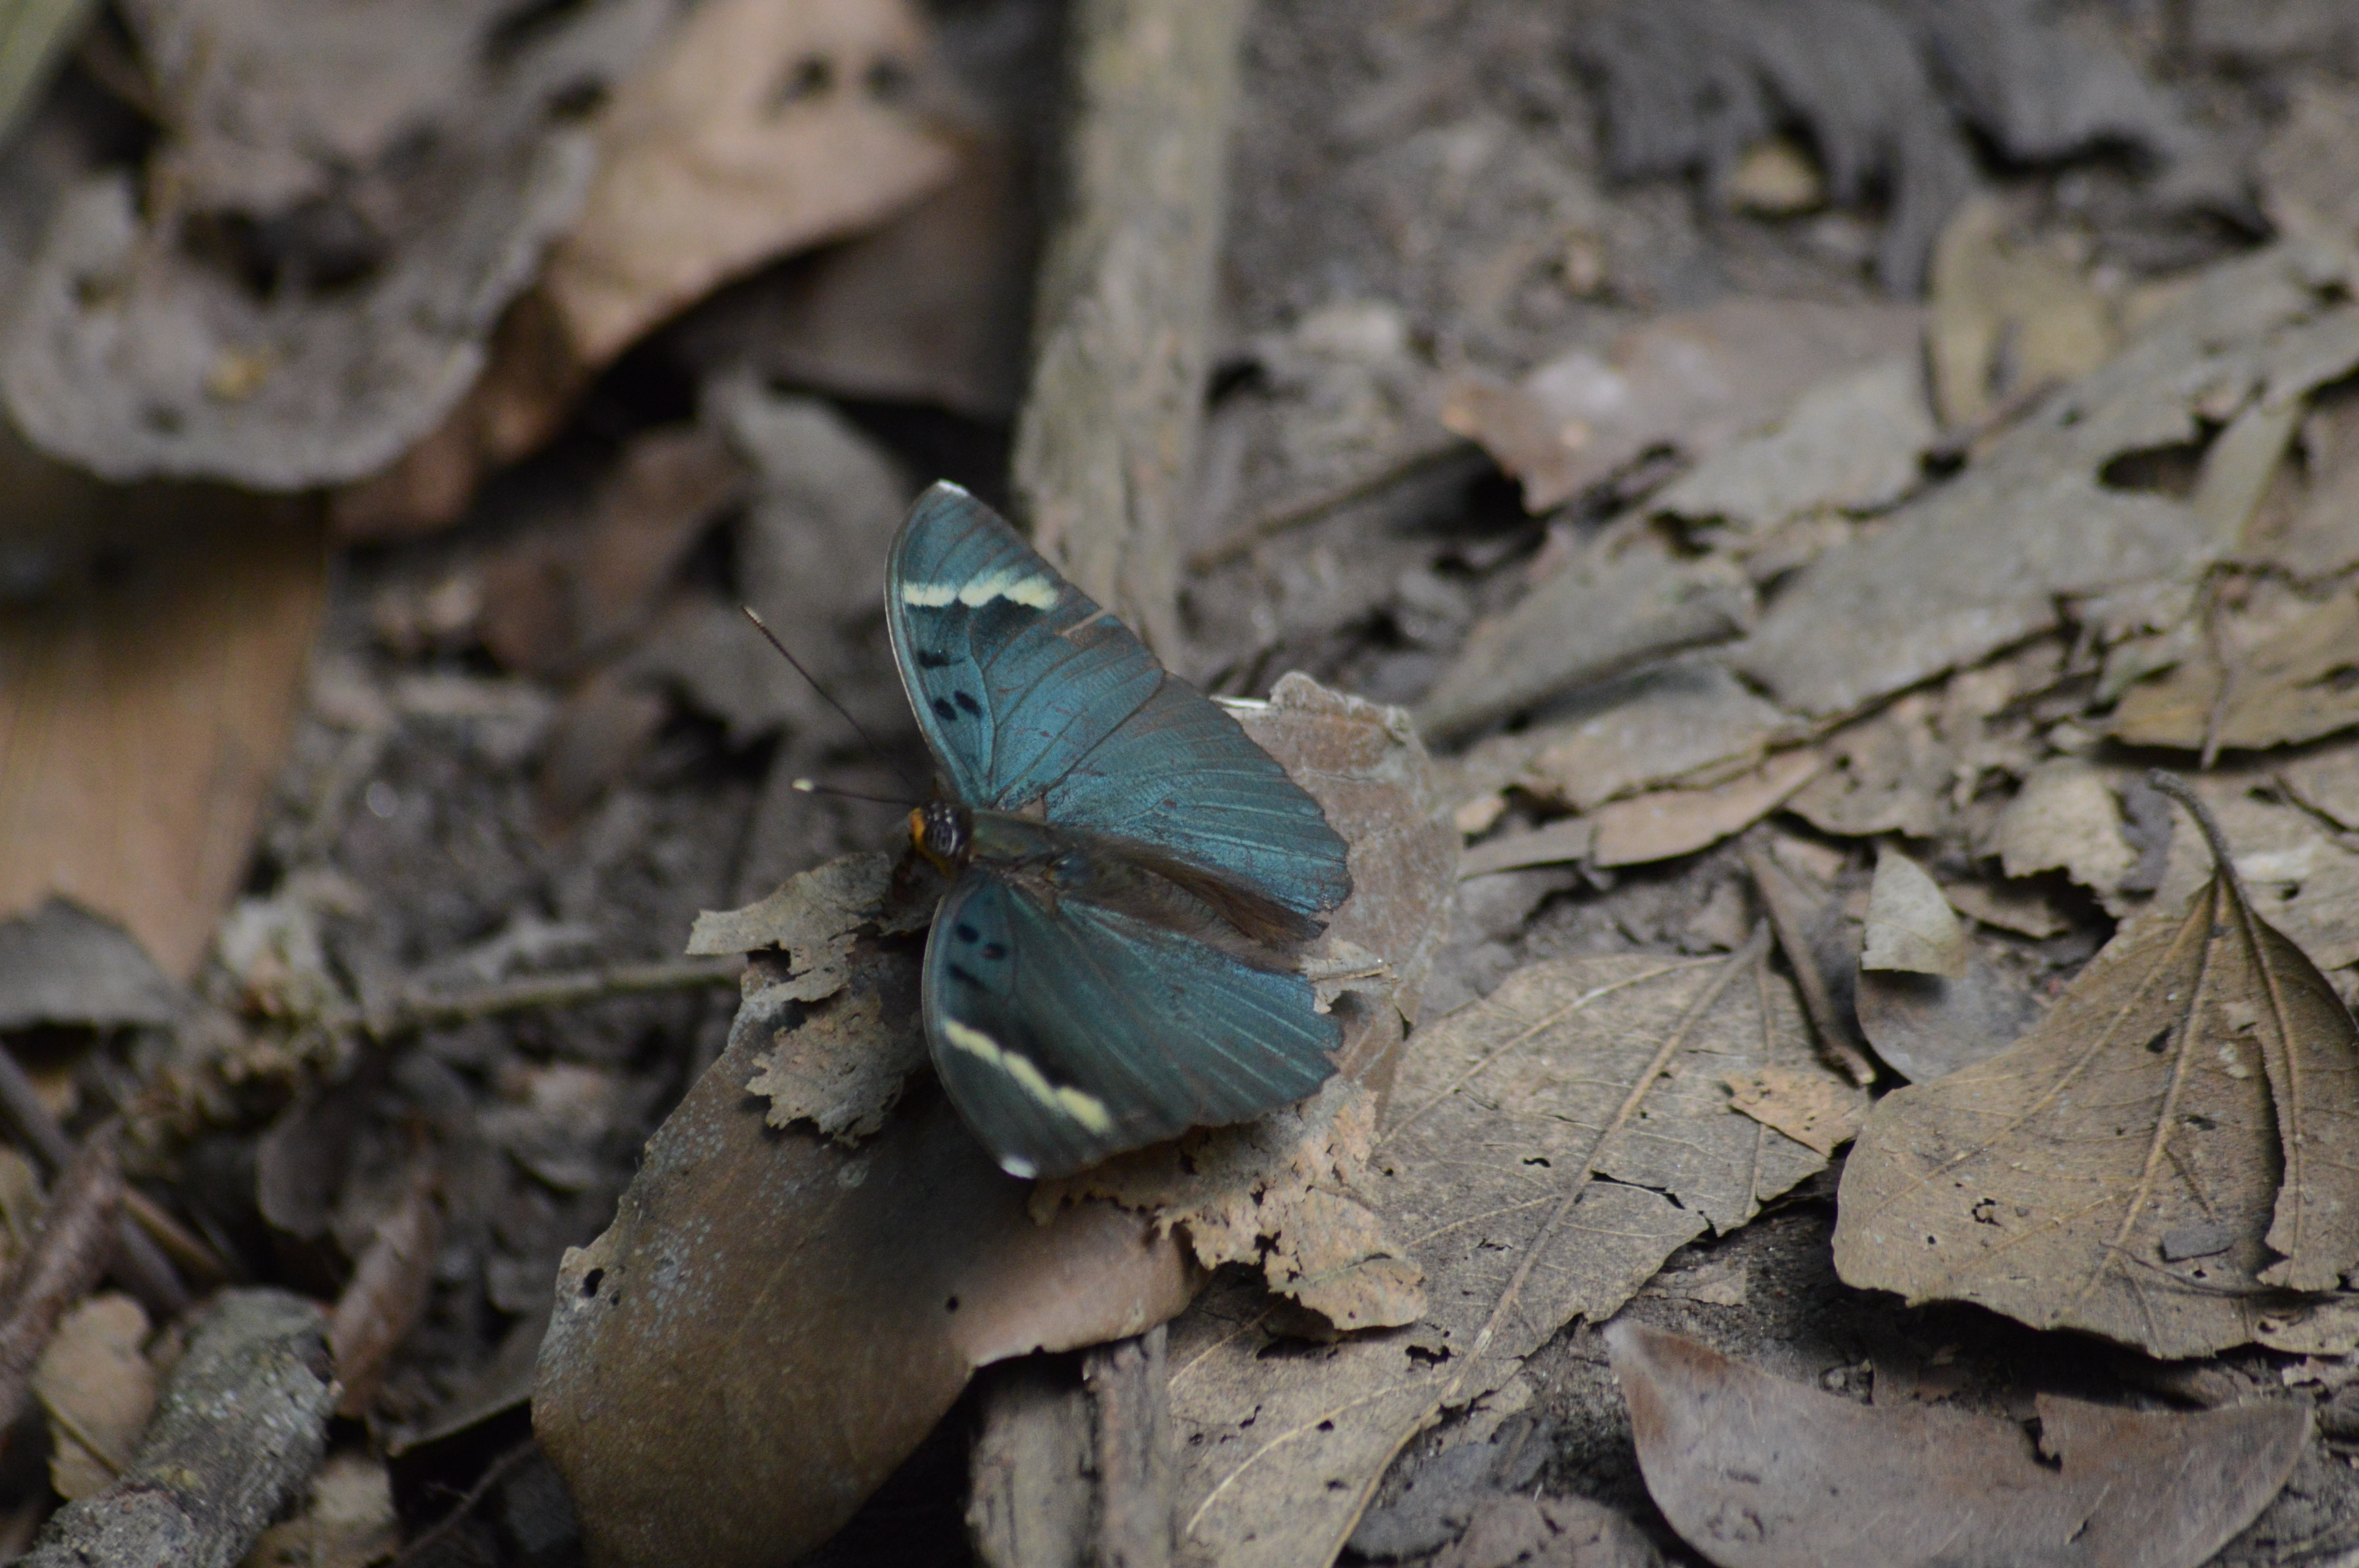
[{"x": 1133, "y": 879}]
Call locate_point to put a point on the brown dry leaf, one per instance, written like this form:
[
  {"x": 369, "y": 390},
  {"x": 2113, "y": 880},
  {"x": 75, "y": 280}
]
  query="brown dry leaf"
[
  {"x": 2327, "y": 782},
  {"x": 1820, "y": 1112},
  {"x": 64, "y": 965},
  {"x": 2022, "y": 909},
  {"x": 1926, "y": 1027},
  {"x": 1887, "y": 773},
  {"x": 1691, "y": 380},
  {"x": 1688, "y": 720},
  {"x": 1532, "y": 1141},
  {"x": 1755, "y": 1472},
  {"x": 843, "y": 1065},
  {"x": 1569, "y": 839},
  {"x": 761, "y": 129},
  {"x": 774, "y": 1320},
  {"x": 2299, "y": 685},
  {"x": 2147, "y": 1163},
  {"x": 2067, "y": 815},
  {"x": 1981, "y": 563},
  {"x": 1853, "y": 443},
  {"x": 1911, "y": 926},
  {"x": 1548, "y": 1532},
  {"x": 347, "y": 1520},
  {"x": 2309, "y": 171},
  {"x": 388, "y": 1290},
  {"x": 2303, "y": 879},
  {"x": 1671, "y": 822},
  {"x": 2010, "y": 314},
  {"x": 1620, "y": 605},
  {"x": 194, "y": 649},
  {"x": 97, "y": 1385}
]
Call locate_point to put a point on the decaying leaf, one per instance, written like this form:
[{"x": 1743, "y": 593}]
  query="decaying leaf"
[
  {"x": 389, "y": 1288},
  {"x": 1885, "y": 774},
  {"x": 2067, "y": 815},
  {"x": 2297, "y": 686},
  {"x": 2328, "y": 783},
  {"x": 2148, "y": 1164},
  {"x": 1926, "y": 1026},
  {"x": 761, "y": 129},
  {"x": 194, "y": 649},
  {"x": 2303, "y": 878},
  {"x": 61, "y": 964},
  {"x": 1853, "y": 443},
  {"x": 1757, "y": 1473},
  {"x": 775, "y": 1320},
  {"x": 1532, "y": 1141},
  {"x": 1689, "y": 720},
  {"x": 1670, "y": 822},
  {"x": 2011, "y": 317},
  {"x": 2021, "y": 908},
  {"x": 1979, "y": 562},
  {"x": 1691, "y": 380},
  {"x": 1911, "y": 926},
  {"x": 1594, "y": 619},
  {"x": 98, "y": 1388},
  {"x": 842, "y": 1067},
  {"x": 1567, "y": 839},
  {"x": 1815, "y": 1110}
]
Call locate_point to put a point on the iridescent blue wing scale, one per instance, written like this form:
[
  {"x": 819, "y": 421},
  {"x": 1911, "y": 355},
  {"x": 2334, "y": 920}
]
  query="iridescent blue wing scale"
[
  {"x": 1069, "y": 1034},
  {"x": 1028, "y": 693}
]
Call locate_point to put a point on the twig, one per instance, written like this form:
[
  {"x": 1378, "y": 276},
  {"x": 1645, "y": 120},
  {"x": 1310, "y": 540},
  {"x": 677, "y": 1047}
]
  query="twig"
[
  {"x": 1293, "y": 513},
  {"x": 142, "y": 1267},
  {"x": 422, "y": 1549},
  {"x": 1782, "y": 899},
  {"x": 67, "y": 1258},
  {"x": 242, "y": 1424},
  {"x": 428, "y": 1010}
]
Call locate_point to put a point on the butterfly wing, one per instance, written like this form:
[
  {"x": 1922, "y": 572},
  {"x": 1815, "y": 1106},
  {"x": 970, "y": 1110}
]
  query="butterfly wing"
[
  {"x": 1070, "y": 1034},
  {"x": 1028, "y": 692}
]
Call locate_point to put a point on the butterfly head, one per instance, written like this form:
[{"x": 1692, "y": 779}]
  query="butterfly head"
[{"x": 942, "y": 832}]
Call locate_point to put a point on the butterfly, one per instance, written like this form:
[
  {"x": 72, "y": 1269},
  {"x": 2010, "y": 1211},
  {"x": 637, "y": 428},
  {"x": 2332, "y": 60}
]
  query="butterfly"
[{"x": 1133, "y": 880}]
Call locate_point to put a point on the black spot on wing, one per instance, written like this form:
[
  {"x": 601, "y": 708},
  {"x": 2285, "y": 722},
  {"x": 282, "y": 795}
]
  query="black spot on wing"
[
  {"x": 930, "y": 660},
  {"x": 961, "y": 976},
  {"x": 966, "y": 699},
  {"x": 943, "y": 711},
  {"x": 965, "y": 933}
]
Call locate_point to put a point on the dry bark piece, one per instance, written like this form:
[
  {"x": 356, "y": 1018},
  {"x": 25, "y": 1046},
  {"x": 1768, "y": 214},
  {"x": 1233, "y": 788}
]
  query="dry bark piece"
[
  {"x": 1122, "y": 320},
  {"x": 388, "y": 1289},
  {"x": 2299, "y": 684},
  {"x": 1757, "y": 1473},
  {"x": 1594, "y": 619},
  {"x": 1693, "y": 380},
  {"x": 1981, "y": 563},
  {"x": 195, "y": 648},
  {"x": 1532, "y": 1140},
  {"x": 757, "y": 131},
  {"x": 1672, "y": 822},
  {"x": 239, "y": 1430},
  {"x": 98, "y": 1388},
  {"x": 2191, "y": 1083},
  {"x": 1911, "y": 926}
]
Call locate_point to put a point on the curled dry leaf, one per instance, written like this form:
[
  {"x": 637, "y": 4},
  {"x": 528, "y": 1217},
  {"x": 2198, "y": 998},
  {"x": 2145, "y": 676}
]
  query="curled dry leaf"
[
  {"x": 1757, "y": 1473},
  {"x": 2148, "y": 1163},
  {"x": 1547, "y": 1150},
  {"x": 1911, "y": 926},
  {"x": 760, "y": 129},
  {"x": 774, "y": 1320},
  {"x": 98, "y": 1388}
]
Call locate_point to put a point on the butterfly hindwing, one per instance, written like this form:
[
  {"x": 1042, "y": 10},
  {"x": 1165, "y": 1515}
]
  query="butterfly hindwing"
[
  {"x": 1067, "y": 1034},
  {"x": 1027, "y": 692}
]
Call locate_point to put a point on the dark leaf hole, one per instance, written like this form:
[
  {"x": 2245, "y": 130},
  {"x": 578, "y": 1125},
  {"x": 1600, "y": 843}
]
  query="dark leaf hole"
[
  {"x": 951, "y": 1305},
  {"x": 810, "y": 77},
  {"x": 592, "y": 1281}
]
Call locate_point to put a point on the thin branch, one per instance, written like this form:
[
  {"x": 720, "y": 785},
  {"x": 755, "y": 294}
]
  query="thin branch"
[{"x": 408, "y": 1014}]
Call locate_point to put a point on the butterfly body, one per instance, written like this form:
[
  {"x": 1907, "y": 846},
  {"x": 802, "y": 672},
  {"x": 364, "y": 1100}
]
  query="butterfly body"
[{"x": 1133, "y": 879}]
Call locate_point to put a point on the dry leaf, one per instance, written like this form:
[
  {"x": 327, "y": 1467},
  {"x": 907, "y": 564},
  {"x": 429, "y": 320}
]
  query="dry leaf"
[
  {"x": 64, "y": 965},
  {"x": 843, "y": 1067},
  {"x": 347, "y": 1520},
  {"x": 1552, "y": 845},
  {"x": 2297, "y": 686},
  {"x": 2309, "y": 171},
  {"x": 1677, "y": 821},
  {"x": 1691, "y": 380},
  {"x": 1981, "y": 563},
  {"x": 1548, "y": 1532},
  {"x": 761, "y": 129},
  {"x": 2327, "y": 782},
  {"x": 1889, "y": 772},
  {"x": 98, "y": 1387},
  {"x": 2147, "y": 1163},
  {"x": 2302, "y": 878},
  {"x": 2067, "y": 815},
  {"x": 2010, "y": 315},
  {"x": 1595, "y": 618},
  {"x": 1757, "y": 1473},
  {"x": 774, "y": 1320},
  {"x": 1911, "y": 926},
  {"x": 1926, "y": 1027},
  {"x": 194, "y": 649},
  {"x": 2022, "y": 909},
  {"x": 1820, "y": 1112},
  {"x": 1686, "y": 718},
  {"x": 1532, "y": 1140},
  {"x": 1853, "y": 443},
  {"x": 389, "y": 1289}
]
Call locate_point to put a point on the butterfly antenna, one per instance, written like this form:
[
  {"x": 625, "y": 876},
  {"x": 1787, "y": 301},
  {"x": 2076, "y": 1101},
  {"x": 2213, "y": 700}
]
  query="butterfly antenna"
[
  {"x": 808, "y": 786},
  {"x": 804, "y": 785}
]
